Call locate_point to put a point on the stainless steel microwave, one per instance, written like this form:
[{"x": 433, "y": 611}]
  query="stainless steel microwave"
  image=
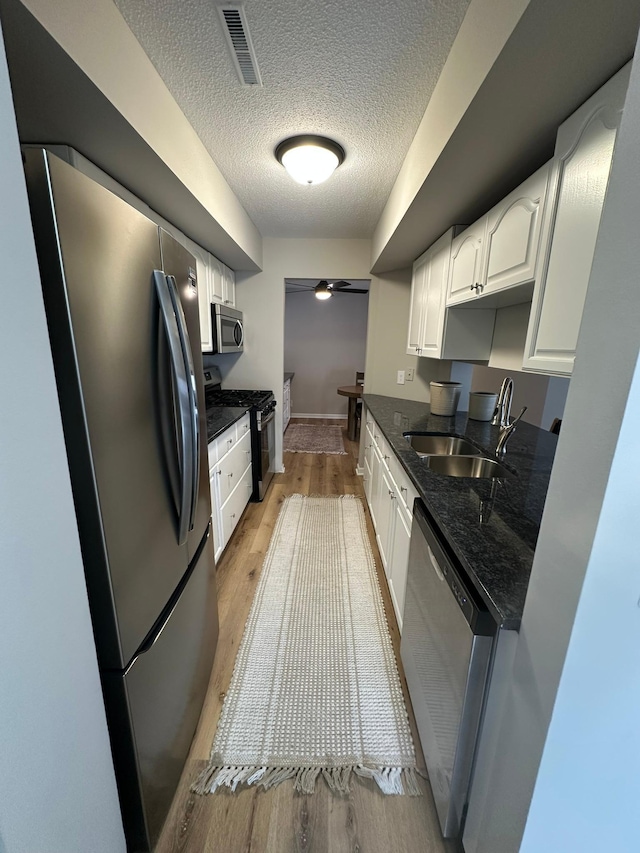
[{"x": 228, "y": 331}]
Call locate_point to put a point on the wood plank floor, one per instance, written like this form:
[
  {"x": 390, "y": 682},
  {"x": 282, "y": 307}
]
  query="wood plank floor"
[{"x": 279, "y": 820}]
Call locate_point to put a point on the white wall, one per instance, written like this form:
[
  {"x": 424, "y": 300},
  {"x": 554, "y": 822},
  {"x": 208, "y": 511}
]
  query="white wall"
[
  {"x": 484, "y": 32},
  {"x": 324, "y": 345},
  {"x": 567, "y": 768},
  {"x": 57, "y": 787},
  {"x": 261, "y": 297}
]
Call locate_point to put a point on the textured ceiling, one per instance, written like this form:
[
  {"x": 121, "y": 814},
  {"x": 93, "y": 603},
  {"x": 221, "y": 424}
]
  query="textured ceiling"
[{"x": 361, "y": 73}]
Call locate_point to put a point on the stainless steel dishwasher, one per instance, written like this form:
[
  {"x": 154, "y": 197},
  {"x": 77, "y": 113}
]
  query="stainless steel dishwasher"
[{"x": 447, "y": 638}]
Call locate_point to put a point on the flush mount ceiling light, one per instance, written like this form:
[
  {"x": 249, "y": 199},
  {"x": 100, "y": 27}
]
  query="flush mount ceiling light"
[{"x": 310, "y": 159}]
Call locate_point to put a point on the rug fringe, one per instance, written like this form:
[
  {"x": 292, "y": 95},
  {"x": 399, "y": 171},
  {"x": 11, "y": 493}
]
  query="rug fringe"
[{"x": 390, "y": 780}]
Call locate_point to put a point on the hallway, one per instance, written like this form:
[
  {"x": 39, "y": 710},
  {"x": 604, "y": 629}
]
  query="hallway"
[{"x": 279, "y": 821}]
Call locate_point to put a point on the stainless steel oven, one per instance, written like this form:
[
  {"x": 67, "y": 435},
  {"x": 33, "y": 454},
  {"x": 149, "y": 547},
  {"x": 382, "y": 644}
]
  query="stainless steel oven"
[
  {"x": 266, "y": 427},
  {"x": 447, "y": 640},
  {"x": 228, "y": 330}
]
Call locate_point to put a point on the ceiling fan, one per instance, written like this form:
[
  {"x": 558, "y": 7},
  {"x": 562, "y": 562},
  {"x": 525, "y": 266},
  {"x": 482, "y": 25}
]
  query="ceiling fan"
[{"x": 323, "y": 289}]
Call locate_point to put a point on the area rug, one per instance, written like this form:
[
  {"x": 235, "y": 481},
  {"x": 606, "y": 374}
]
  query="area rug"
[
  {"x": 313, "y": 438},
  {"x": 315, "y": 690}
]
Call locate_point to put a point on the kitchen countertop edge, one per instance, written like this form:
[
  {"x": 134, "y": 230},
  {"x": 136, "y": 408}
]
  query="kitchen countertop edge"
[{"x": 220, "y": 418}]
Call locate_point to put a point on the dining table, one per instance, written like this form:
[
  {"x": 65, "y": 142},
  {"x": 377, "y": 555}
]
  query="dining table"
[{"x": 353, "y": 392}]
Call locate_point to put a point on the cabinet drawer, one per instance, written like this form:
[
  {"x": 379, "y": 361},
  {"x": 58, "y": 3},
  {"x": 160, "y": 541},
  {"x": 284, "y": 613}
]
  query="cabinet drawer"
[
  {"x": 236, "y": 503},
  {"x": 232, "y": 466},
  {"x": 243, "y": 426},
  {"x": 405, "y": 490}
]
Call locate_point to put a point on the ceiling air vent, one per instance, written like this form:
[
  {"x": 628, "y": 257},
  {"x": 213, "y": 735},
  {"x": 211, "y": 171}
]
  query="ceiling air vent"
[{"x": 239, "y": 40}]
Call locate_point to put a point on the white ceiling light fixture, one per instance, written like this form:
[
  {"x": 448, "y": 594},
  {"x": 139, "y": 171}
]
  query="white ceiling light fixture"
[
  {"x": 322, "y": 290},
  {"x": 310, "y": 159}
]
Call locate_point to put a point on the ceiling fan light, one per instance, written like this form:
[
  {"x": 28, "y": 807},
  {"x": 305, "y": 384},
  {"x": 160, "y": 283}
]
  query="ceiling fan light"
[
  {"x": 322, "y": 291},
  {"x": 310, "y": 159}
]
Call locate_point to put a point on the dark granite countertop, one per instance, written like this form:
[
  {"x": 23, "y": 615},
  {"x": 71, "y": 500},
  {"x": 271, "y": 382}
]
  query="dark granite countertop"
[
  {"x": 219, "y": 418},
  {"x": 288, "y": 376},
  {"x": 496, "y": 550}
]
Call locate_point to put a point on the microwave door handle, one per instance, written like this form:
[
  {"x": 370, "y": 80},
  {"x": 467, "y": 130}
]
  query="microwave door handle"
[
  {"x": 187, "y": 355},
  {"x": 181, "y": 386},
  {"x": 239, "y": 327}
]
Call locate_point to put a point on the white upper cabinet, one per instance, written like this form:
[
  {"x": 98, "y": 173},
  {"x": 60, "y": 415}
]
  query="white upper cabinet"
[
  {"x": 501, "y": 250},
  {"x": 580, "y": 174},
  {"x": 216, "y": 280},
  {"x": 513, "y": 235},
  {"x": 436, "y": 331},
  {"x": 465, "y": 270},
  {"x": 204, "y": 302},
  {"x": 416, "y": 316},
  {"x": 229, "y": 287}
]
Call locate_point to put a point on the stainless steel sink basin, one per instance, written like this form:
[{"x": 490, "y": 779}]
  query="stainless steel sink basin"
[
  {"x": 466, "y": 466},
  {"x": 440, "y": 445}
]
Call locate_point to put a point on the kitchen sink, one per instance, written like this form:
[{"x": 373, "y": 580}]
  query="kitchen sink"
[
  {"x": 466, "y": 466},
  {"x": 440, "y": 445}
]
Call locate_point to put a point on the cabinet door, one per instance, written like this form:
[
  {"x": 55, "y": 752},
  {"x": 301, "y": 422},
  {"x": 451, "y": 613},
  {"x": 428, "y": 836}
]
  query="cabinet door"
[
  {"x": 229, "y": 287},
  {"x": 435, "y": 284},
  {"x": 216, "y": 514},
  {"x": 235, "y": 504},
  {"x": 581, "y": 165},
  {"x": 204, "y": 298},
  {"x": 465, "y": 269},
  {"x": 399, "y": 559},
  {"x": 216, "y": 280},
  {"x": 513, "y": 235},
  {"x": 385, "y": 518},
  {"x": 233, "y": 465},
  {"x": 376, "y": 478},
  {"x": 418, "y": 293}
]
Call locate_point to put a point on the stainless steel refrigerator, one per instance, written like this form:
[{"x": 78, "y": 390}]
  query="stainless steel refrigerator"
[{"x": 121, "y": 302}]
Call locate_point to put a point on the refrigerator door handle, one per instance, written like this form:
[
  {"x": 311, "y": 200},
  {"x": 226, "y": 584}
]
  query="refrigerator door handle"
[
  {"x": 182, "y": 383},
  {"x": 193, "y": 397}
]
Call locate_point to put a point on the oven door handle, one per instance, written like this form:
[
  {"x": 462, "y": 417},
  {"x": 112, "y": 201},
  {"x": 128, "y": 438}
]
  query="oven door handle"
[{"x": 268, "y": 419}]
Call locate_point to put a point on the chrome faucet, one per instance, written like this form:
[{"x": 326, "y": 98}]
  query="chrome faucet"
[
  {"x": 503, "y": 406},
  {"x": 506, "y": 432}
]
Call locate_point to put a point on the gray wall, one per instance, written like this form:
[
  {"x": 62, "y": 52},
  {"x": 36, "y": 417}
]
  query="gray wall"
[
  {"x": 324, "y": 344},
  {"x": 566, "y": 775},
  {"x": 57, "y": 788}
]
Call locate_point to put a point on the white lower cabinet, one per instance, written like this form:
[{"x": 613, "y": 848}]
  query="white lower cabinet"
[
  {"x": 399, "y": 558},
  {"x": 390, "y": 495},
  {"x": 230, "y": 480}
]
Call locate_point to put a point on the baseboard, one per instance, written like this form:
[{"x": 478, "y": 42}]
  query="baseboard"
[
  {"x": 359, "y": 471},
  {"x": 307, "y": 415}
]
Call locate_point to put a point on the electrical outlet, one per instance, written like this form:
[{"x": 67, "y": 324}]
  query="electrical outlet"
[
  {"x": 400, "y": 379},
  {"x": 408, "y": 374}
]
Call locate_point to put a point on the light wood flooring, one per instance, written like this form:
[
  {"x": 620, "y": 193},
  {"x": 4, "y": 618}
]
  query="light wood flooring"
[{"x": 279, "y": 820}]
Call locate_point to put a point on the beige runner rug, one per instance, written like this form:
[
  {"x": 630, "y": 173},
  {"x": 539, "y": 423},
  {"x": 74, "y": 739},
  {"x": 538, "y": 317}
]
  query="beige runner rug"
[
  {"x": 313, "y": 438},
  {"x": 315, "y": 690}
]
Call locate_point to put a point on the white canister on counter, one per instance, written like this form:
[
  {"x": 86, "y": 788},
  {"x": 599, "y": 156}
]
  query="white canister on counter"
[
  {"x": 444, "y": 397},
  {"x": 482, "y": 405}
]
